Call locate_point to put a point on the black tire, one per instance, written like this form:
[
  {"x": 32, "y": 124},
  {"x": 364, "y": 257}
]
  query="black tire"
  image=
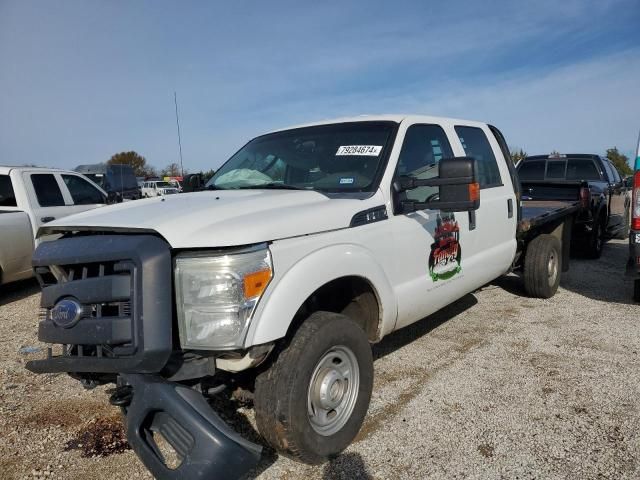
[
  {"x": 542, "y": 266},
  {"x": 282, "y": 391},
  {"x": 595, "y": 241},
  {"x": 636, "y": 290}
]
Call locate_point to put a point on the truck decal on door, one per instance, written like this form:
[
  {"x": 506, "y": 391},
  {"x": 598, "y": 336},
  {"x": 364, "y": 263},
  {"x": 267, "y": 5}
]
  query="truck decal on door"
[{"x": 446, "y": 255}]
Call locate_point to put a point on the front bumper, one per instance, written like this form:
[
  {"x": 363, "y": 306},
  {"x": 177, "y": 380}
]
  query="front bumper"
[{"x": 205, "y": 446}]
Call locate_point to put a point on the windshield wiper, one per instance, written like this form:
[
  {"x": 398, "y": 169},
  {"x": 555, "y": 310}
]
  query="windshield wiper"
[{"x": 272, "y": 186}]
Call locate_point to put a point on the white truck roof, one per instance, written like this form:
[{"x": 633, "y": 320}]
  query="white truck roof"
[
  {"x": 397, "y": 117},
  {"x": 6, "y": 169}
]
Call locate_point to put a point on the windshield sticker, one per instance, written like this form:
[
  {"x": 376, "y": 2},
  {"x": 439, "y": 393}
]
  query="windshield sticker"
[
  {"x": 367, "y": 150},
  {"x": 347, "y": 180},
  {"x": 445, "y": 259}
]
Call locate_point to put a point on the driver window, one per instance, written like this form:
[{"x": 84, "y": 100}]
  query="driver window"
[{"x": 424, "y": 146}]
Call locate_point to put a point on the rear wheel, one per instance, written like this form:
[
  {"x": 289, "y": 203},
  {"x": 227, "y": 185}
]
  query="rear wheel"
[
  {"x": 636, "y": 290},
  {"x": 542, "y": 266},
  {"x": 596, "y": 241},
  {"x": 311, "y": 402}
]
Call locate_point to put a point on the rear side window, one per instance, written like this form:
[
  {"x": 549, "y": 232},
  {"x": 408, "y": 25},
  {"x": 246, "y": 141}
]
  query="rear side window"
[
  {"x": 82, "y": 192},
  {"x": 532, "y": 170},
  {"x": 556, "y": 169},
  {"x": 476, "y": 145},
  {"x": 607, "y": 169},
  {"x": 614, "y": 171},
  {"x": 47, "y": 190},
  {"x": 582, "y": 169},
  {"x": 7, "y": 197}
]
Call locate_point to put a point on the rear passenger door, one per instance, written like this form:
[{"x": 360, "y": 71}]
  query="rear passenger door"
[
  {"x": 618, "y": 197},
  {"x": 46, "y": 198},
  {"x": 442, "y": 256},
  {"x": 493, "y": 240}
]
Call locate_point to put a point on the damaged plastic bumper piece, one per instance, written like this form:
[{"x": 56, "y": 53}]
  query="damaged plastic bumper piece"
[{"x": 204, "y": 446}]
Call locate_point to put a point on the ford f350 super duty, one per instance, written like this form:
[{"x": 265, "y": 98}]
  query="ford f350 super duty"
[{"x": 309, "y": 245}]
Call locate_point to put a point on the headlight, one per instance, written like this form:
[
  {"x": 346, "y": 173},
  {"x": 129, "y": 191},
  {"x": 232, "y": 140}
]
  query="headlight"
[{"x": 216, "y": 296}]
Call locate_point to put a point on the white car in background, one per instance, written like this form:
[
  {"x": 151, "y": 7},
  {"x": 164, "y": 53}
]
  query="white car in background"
[
  {"x": 31, "y": 197},
  {"x": 157, "y": 188}
]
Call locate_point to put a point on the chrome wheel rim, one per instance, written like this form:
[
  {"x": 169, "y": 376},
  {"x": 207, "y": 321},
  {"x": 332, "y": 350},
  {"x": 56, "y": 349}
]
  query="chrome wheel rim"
[
  {"x": 333, "y": 390},
  {"x": 552, "y": 268}
]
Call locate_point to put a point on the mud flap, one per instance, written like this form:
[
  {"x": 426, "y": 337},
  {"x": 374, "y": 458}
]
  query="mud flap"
[{"x": 205, "y": 447}]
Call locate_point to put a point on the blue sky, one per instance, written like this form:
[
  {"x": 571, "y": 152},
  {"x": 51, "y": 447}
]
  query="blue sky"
[{"x": 82, "y": 80}]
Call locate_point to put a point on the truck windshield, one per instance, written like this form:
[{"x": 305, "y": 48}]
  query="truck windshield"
[
  {"x": 164, "y": 185},
  {"x": 97, "y": 178},
  {"x": 344, "y": 157}
]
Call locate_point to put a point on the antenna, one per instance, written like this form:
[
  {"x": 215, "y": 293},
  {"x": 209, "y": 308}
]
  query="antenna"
[{"x": 175, "y": 100}]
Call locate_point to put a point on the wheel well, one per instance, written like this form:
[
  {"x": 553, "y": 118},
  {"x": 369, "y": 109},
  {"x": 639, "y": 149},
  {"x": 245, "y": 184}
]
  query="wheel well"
[{"x": 352, "y": 296}]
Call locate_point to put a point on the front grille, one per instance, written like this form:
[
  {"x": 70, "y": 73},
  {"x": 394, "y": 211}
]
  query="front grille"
[
  {"x": 122, "y": 284},
  {"x": 102, "y": 315}
]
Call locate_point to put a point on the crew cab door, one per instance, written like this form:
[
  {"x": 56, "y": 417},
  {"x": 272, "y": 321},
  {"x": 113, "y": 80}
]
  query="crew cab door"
[
  {"x": 45, "y": 197},
  {"x": 443, "y": 256}
]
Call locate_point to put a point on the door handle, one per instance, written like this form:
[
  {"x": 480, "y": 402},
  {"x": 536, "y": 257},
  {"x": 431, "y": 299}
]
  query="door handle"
[
  {"x": 510, "y": 208},
  {"x": 47, "y": 219}
]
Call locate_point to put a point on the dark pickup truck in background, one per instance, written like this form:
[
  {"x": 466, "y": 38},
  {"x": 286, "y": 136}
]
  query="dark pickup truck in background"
[{"x": 606, "y": 201}]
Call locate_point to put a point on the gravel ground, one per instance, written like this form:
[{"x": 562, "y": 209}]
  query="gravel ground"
[{"x": 495, "y": 386}]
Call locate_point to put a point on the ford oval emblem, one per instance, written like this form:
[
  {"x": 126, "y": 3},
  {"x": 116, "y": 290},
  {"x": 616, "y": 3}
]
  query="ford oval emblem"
[{"x": 66, "y": 313}]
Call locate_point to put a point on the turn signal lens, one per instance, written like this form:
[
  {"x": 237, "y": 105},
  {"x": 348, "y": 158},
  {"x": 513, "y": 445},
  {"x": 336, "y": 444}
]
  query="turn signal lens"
[
  {"x": 255, "y": 283},
  {"x": 474, "y": 192}
]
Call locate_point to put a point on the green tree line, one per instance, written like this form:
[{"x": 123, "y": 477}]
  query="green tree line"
[{"x": 142, "y": 168}]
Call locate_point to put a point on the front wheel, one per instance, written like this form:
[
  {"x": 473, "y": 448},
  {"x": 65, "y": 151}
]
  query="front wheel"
[{"x": 311, "y": 402}]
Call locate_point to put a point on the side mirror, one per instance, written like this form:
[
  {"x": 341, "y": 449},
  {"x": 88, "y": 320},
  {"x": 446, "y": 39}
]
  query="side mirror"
[{"x": 458, "y": 182}]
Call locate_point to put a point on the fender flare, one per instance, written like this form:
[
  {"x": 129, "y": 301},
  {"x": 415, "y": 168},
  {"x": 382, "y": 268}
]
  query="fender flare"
[{"x": 288, "y": 292}]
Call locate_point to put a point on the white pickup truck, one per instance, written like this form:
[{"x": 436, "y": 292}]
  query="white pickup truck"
[
  {"x": 310, "y": 244},
  {"x": 29, "y": 198}
]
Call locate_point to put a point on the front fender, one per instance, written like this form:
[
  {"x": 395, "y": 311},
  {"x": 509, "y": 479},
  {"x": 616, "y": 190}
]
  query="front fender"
[{"x": 288, "y": 291}]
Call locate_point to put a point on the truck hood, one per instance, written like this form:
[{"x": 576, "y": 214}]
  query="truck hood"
[{"x": 223, "y": 218}]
